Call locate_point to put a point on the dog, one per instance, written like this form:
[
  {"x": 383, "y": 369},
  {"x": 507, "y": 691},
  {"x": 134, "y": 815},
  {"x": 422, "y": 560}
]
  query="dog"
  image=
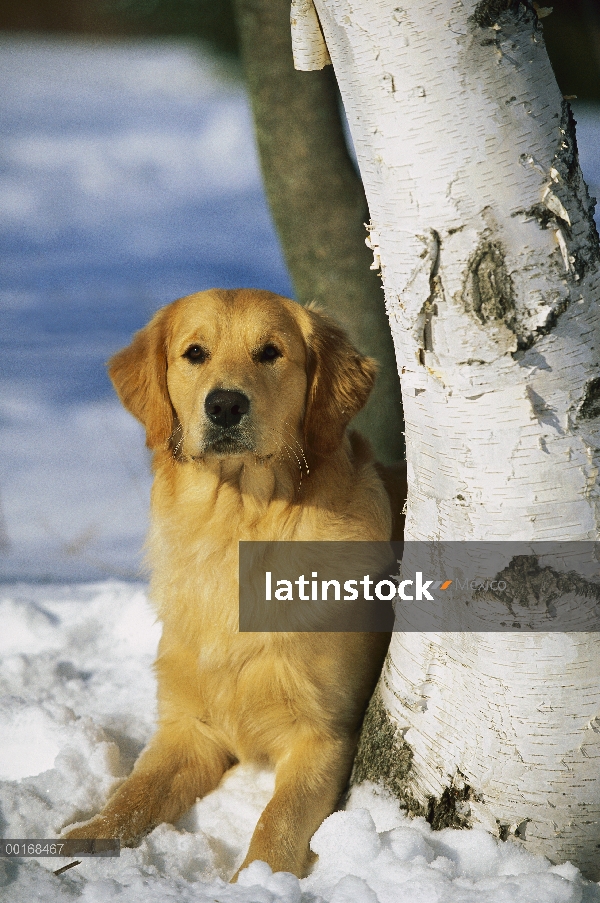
[{"x": 245, "y": 397}]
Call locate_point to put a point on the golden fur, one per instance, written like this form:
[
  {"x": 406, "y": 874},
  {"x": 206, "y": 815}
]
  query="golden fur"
[{"x": 288, "y": 471}]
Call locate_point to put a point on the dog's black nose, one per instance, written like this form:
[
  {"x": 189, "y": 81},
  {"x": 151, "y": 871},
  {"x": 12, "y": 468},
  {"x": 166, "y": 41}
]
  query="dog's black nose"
[{"x": 226, "y": 407}]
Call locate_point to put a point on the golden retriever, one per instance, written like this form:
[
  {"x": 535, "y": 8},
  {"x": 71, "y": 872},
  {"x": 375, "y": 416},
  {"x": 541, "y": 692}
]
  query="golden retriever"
[{"x": 245, "y": 397}]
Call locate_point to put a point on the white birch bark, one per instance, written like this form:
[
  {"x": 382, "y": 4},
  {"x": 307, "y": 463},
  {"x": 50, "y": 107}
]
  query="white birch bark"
[
  {"x": 308, "y": 45},
  {"x": 482, "y": 227}
]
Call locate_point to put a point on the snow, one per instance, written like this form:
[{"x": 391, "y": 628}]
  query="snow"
[
  {"x": 77, "y": 706},
  {"x": 128, "y": 177}
]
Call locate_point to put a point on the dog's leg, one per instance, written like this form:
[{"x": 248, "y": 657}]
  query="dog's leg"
[
  {"x": 309, "y": 782},
  {"x": 181, "y": 764}
]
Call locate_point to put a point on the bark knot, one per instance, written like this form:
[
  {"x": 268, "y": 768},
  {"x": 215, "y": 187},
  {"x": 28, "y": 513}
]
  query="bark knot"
[
  {"x": 488, "y": 290},
  {"x": 539, "y": 593},
  {"x": 487, "y": 12}
]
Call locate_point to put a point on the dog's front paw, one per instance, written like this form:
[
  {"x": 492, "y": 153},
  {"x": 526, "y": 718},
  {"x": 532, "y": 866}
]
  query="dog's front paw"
[
  {"x": 97, "y": 828},
  {"x": 103, "y": 827}
]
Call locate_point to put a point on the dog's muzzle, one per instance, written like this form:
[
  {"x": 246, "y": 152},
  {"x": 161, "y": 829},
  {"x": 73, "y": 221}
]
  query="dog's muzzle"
[{"x": 227, "y": 411}]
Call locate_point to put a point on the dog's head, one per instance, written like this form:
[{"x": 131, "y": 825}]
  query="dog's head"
[{"x": 242, "y": 372}]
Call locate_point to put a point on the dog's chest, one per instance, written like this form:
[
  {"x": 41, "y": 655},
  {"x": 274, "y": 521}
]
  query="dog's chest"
[{"x": 253, "y": 695}]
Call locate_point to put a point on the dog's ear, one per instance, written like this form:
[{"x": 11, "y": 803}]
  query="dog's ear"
[
  {"x": 139, "y": 375},
  {"x": 340, "y": 380}
]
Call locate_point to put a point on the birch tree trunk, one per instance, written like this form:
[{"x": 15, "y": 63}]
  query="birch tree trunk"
[{"x": 483, "y": 228}]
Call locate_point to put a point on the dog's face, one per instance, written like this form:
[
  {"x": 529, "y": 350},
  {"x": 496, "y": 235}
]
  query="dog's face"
[
  {"x": 236, "y": 375},
  {"x": 242, "y": 372}
]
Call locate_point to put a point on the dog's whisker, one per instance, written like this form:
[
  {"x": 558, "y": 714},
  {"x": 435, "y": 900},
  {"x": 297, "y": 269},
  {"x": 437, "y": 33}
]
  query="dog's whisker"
[
  {"x": 295, "y": 455},
  {"x": 287, "y": 428},
  {"x": 177, "y": 447},
  {"x": 288, "y": 448},
  {"x": 289, "y": 451},
  {"x": 291, "y": 432},
  {"x": 284, "y": 446},
  {"x": 301, "y": 449}
]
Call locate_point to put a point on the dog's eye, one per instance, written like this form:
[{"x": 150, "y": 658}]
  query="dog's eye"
[
  {"x": 196, "y": 354},
  {"x": 269, "y": 353}
]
